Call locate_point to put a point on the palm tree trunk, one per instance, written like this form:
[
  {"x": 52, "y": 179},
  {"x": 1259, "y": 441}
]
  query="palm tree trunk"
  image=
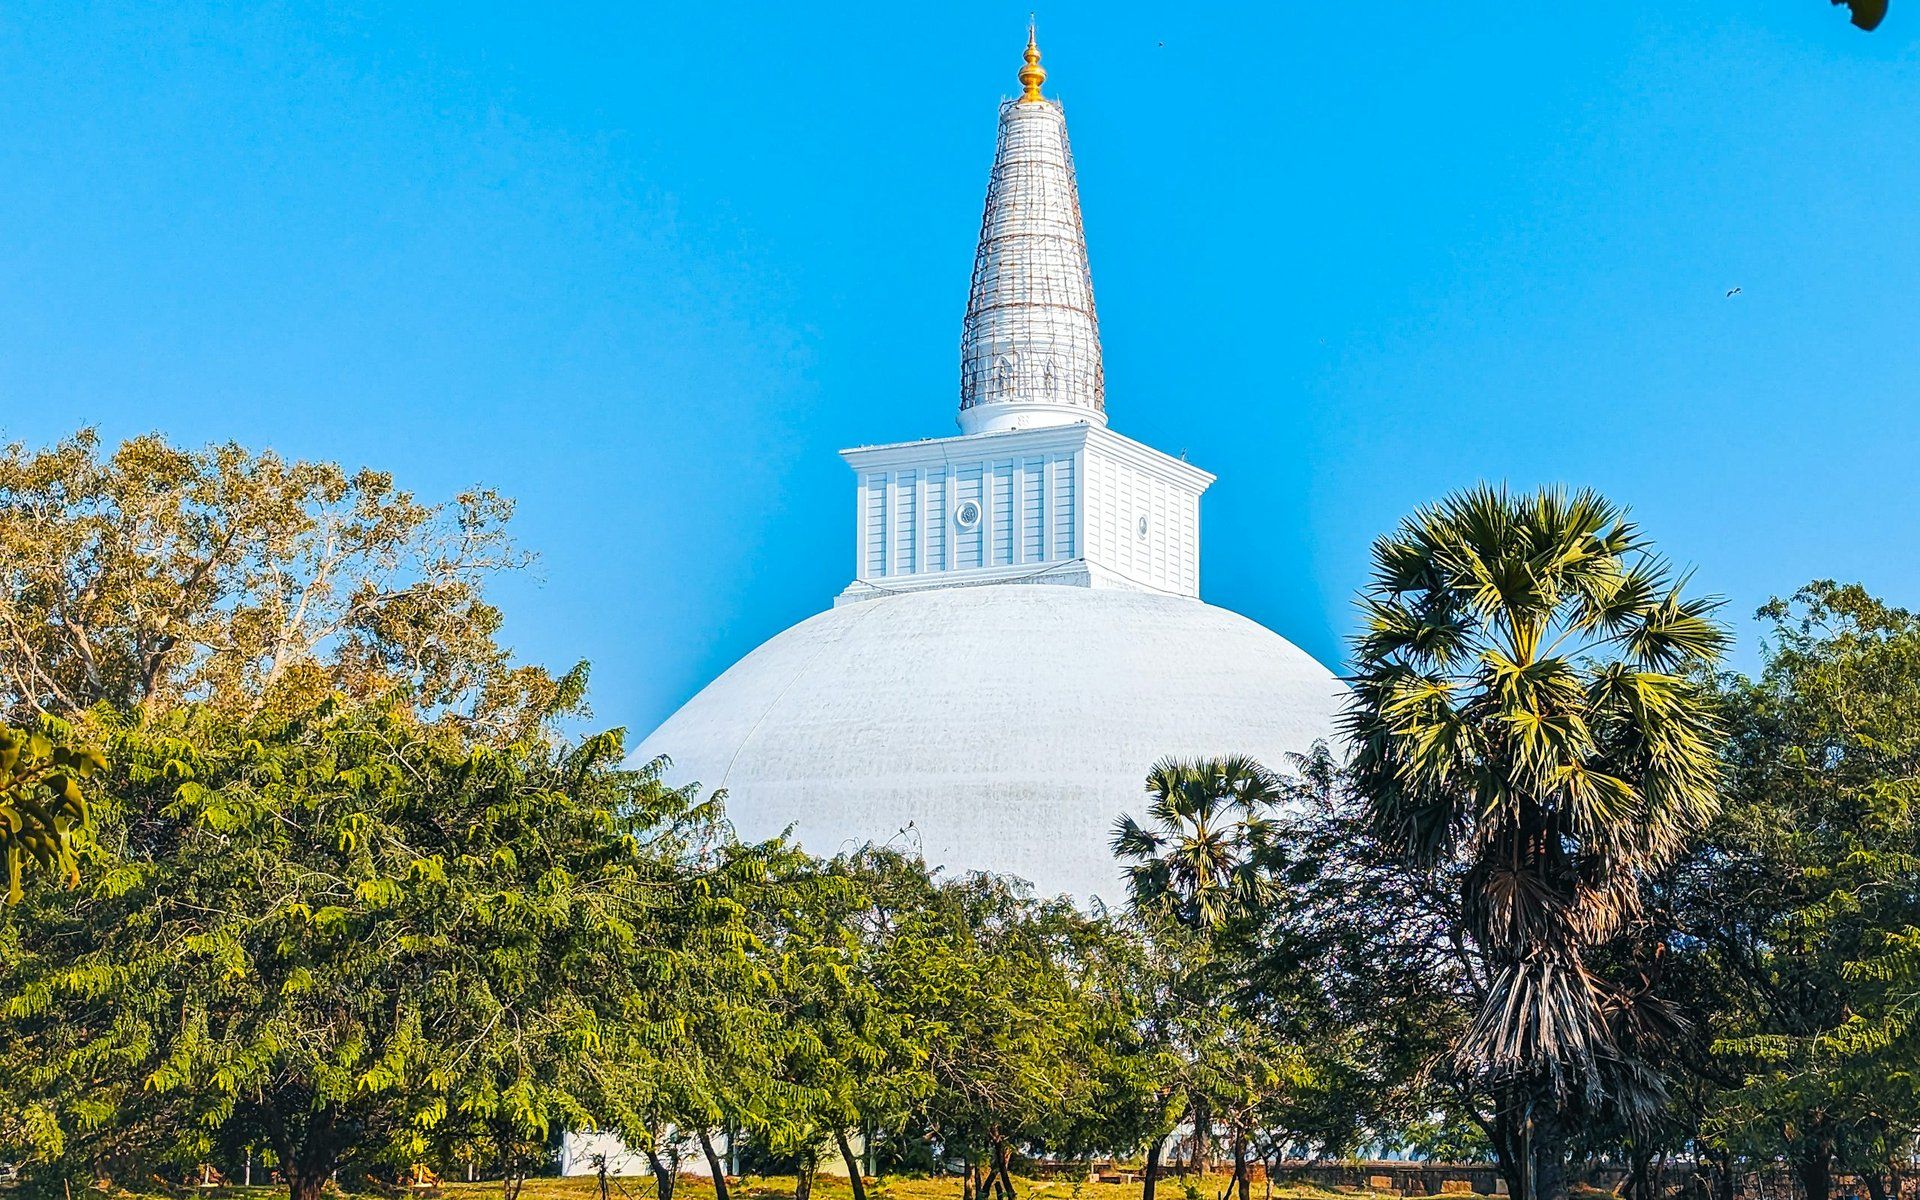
[{"x": 1549, "y": 1158}]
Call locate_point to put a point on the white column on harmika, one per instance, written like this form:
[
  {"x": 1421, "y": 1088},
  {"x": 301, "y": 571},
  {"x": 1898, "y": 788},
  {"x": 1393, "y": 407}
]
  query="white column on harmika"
[{"x": 1030, "y": 348}]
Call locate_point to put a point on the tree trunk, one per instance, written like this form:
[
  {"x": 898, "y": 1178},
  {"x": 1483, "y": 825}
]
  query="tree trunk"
[
  {"x": 1151, "y": 1175},
  {"x": 304, "y": 1183},
  {"x": 307, "y": 1174},
  {"x": 714, "y": 1165},
  {"x": 858, "y": 1184},
  {"x": 1242, "y": 1179},
  {"x": 1529, "y": 1146},
  {"x": 1723, "y": 1175},
  {"x": 1639, "y": 1174},
  {"x": 1509, "y": 1147},
  {"x": 1813, "y": 1167},
  {"x": 1202, "y": 1134},
  {"x": 1000, "y": 1158},
  {"x": 967, "y": 1191},
  {"x": 1549, "y": 1158},
  {"x": 804, "y": 1172},
  {"x": 307, "y": 1157},
  {"x": 663, "y": 1176},
  {"x": 1876, "y": 1185}
]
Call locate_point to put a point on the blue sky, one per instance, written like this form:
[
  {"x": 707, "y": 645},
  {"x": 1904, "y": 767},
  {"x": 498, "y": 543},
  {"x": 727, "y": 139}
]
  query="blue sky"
[{"x": 646, "y": 268}]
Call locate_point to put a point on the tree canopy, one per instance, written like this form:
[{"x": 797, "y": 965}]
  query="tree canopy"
[
  {"x": 350, "y": 934},
  {"x": 43, "y": 806},
  {"x": 150, "y": 577},
  {"x": 1801, "y": 905},
  {"x": 1528, "y": 705},
  {"x": 342, "y": 897}
]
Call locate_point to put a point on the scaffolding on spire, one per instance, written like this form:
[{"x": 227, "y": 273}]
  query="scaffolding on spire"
[{"x": 1030, "y": 347}]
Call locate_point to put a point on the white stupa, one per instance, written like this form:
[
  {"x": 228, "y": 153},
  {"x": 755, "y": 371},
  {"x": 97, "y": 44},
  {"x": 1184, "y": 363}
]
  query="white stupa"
[{"x": 1023, "y": 637}]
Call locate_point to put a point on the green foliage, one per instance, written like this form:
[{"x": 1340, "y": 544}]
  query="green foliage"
[
  {"x": 1252, "y": 1023},
  {"x": 1200, "y": 858},
  {"x": 346, "y": 935},
  {"x": 999, "y": 982},
  {"x": 1361, "y": 961},
  {"x": 43, "y": 809},
  {"x": 1525, "y": 702},
  {"x": 347, "y": 901},
  {"x": 1802, "y": 906},
  {"x": 153, "y": 577}
]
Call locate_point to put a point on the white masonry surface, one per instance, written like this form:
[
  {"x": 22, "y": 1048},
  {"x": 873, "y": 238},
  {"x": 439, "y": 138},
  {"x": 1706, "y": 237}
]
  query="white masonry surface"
[{"x": 1022, "y": 637}]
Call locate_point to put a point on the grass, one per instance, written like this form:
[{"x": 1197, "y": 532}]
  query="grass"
[
  {"x": 830, "y": 1187},
  {"x": 826, "y": 1187}
]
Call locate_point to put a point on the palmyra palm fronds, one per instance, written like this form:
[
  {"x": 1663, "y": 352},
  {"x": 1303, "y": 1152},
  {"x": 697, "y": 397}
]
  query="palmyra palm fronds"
[
  {"x": 1200, "y": 855},
  {"x": 1526, "y": 704}
]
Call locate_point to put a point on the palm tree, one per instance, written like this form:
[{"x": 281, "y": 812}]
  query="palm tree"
[
  {"x": 1201, "y": 863},
  {"x": 1528, "y": 709},
  {"x": 1201, "y": 857}
]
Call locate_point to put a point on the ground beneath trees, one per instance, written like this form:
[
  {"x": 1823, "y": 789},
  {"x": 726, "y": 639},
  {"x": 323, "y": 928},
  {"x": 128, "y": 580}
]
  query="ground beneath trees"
[{"x": 826, "y": 1187}]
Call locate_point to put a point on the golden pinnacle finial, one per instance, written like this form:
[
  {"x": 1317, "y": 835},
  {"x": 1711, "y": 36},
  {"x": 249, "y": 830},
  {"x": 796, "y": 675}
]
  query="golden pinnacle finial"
[{"x": 1033, "y": 74}]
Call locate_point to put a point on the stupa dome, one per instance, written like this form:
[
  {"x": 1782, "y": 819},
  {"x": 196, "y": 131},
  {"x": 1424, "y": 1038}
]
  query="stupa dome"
[{"x": 1002, "y": 726}]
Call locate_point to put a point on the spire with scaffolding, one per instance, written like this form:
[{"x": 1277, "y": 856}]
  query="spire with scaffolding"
[{"x": 1030, "y": 348}]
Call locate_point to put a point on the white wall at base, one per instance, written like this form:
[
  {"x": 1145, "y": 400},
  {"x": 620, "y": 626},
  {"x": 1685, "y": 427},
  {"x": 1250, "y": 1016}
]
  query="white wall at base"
[{"x": 581, "y": 1151}]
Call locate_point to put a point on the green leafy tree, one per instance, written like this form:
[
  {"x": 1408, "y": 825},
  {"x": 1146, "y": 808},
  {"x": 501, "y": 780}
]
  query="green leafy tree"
[
  {"x": 43, "y": 810},
  {"x": 1201, "y": 882},
  {"x": 1007, "y": 1019},
  {"x": 878, "y": 1026},
  {"x": 1802, "y": 905},
  {"x": 837, "y": 1047},
  {"x": 151, "y": 577},
  {"x": 1137, "y": 1091},
  {"x": 718, "y": 1072},
  {"x": 1151, "y": 960},
  {"x": 1358, "y": 961},
  {"x": 1526, "y": 704},
  {"x": 348, "y": 937}
]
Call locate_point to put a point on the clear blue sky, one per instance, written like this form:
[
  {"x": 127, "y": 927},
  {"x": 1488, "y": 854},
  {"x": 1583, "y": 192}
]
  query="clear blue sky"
[{"x": 646, "y": 267}]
